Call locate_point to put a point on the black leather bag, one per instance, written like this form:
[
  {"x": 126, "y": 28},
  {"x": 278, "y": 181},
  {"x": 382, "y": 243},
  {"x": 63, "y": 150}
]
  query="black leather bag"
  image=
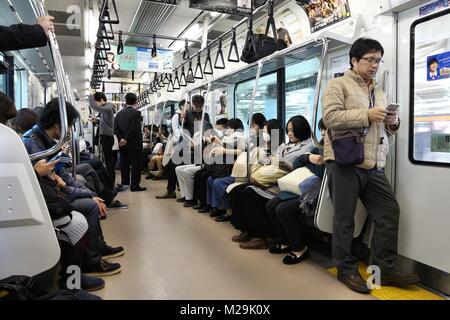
[{"x": 258, "y": 46}]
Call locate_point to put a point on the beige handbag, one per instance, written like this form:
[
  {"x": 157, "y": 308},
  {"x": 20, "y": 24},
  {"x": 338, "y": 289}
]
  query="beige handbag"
[
  {"x": 267, "y": 176},
  {"x": 291, "y": 182}
]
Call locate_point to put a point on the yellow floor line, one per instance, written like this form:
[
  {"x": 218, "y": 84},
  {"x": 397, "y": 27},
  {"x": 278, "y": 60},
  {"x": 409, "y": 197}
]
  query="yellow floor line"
[{"x": 393, "y": 293}]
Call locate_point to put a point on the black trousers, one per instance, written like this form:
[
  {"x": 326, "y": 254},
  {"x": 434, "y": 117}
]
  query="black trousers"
[
  {"x": 287, "y": 219},
  {"x": 254, "y": 215},
  {"x": 346, "y": 184},
  {"x": 131, "y": 159},
  {"x": 171, "y": 176},
  {"x": 200, "y": 186},
  {"x": 107, "y": 144},
  {"x": 237, "y": 218}
]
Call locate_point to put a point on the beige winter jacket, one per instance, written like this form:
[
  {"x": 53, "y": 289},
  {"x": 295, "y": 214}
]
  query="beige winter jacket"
[{"x": 346, "y": 109}]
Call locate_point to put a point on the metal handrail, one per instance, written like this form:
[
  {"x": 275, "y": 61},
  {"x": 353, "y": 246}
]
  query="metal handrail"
[
  {"x": 60, "y": 83},
  {"x": 318, "y": 88},
  {"x": 250, "y": 116}
]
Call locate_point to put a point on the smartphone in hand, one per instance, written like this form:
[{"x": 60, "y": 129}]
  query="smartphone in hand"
[{"x": 393, "y": 107}]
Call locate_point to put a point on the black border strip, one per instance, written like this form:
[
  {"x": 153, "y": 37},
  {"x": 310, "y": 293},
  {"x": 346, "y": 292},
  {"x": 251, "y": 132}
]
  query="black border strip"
[{"x": 412, "y": 89}]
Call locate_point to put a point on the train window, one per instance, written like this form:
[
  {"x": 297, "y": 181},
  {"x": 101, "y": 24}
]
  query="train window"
[
  {"x": 266, "y": 100},
  {"x": 301, "y": 82},
  {"x": 430, "y": 91}
]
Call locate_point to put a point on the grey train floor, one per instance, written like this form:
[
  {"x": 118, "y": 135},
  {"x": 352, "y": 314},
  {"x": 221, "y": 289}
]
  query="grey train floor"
[{"x": 175, "y": 253}]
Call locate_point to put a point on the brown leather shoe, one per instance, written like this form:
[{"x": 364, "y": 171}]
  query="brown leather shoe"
[
  {"x": 167, "y": 195},
  {"x": 254, "y": 244},
  {"x": 242, "y": 237},
  {"x": 355, "y": 283},
  {"x": 400, "y": 280}
]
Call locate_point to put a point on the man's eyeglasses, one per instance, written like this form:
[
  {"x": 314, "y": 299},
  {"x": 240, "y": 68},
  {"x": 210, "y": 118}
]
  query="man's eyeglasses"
[{"x": 373, "y": 60}]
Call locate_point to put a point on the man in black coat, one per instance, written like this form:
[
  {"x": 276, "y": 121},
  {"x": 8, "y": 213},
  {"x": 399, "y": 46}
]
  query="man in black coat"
[
  {"x": 24, "y": 36},
  {"x": 127, "y": 128}
]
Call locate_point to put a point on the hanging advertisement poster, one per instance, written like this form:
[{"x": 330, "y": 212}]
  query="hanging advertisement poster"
[
  {"x": 433, "y": 7},
  {"x": 438, "y": 67},
  {"x": 161, "y": 63},
  {"x": 323, "y": 13},
  {"x": 236, "y": 7},
  {"x": 140, "y": 59}
]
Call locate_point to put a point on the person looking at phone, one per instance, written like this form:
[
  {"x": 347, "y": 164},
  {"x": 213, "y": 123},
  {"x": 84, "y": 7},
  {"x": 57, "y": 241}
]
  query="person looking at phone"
[
  {"x": 354, "y": 103},
  {"x": 42, "y": 137}
]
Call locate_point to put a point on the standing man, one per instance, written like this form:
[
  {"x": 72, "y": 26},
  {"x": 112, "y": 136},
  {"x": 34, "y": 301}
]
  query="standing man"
[
  {"x": 127, "y": 127},
  {"x": 355, "y": 109},
  {"x": 99, "y": 103}
]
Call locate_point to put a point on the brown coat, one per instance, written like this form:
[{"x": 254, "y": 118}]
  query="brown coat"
[{"x": 346, "y": 109}]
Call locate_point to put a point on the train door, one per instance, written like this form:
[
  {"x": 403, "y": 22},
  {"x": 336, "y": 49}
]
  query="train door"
[{"x": 423, "y": 148}]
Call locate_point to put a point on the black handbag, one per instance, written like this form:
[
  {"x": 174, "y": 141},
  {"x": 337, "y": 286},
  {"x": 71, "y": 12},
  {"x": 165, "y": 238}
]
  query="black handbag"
[{"x": 258, "y": 46}]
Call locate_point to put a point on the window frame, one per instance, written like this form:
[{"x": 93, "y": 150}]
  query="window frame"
[{"x": 412, "y": 70}]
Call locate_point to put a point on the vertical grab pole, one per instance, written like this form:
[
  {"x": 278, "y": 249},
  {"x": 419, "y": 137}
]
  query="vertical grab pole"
[
  {"x": 250, "y": 115},
  {"x": 318, "y": 89},
  {"x": 60, "y": 82}
]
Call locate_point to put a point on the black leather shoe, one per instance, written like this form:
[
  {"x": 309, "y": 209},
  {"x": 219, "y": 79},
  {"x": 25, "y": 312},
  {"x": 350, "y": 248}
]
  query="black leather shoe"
[
  {"x": 181, "y": 200},
  {"x": 401, "y": 280},
  {"x": 355, "y": 283},
  {"x": 223, "y": 218},
  {"x": 277, "y": 249},
  {"x": 138, "y": 189},
  {"x": 205, "y": 209},
  {"x": 189, "y": 204},
  {"x": 292, "y": 258},
  {"x": 197, "y": 207},
  {"x": 216, "y": 213}
]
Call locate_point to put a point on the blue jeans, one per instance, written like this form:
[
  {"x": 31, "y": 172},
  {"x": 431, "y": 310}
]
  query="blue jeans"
[
  {"x": 216, "y": 192},
  {"x": 89, "y": 209}
]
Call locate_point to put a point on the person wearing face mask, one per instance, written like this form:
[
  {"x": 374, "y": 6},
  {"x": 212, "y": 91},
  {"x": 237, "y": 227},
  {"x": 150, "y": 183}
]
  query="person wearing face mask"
[
  {"x": 224, "y": 152},
  {"x": 258, "y": 121},
  {"x": 289, "y": 213},
  {"x": 252, "y": 219},
  {"x": 191, "y": 120},
  {"x": 355, "y": 113}
]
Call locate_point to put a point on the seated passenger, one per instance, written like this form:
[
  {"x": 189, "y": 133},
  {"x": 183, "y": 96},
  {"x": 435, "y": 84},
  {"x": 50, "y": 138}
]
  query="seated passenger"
[
  {"x": 41, "y": 138},
  {"x": 251, "y": 217},
  {"x": 201, "y": 178},
  {"x": 232, "y": 144},
  {"x": 288, "y": 215},
  {"x": 24, "y": 120},
  {"x": 186, "y": 174},
  {"x": 72, "y": 233}
]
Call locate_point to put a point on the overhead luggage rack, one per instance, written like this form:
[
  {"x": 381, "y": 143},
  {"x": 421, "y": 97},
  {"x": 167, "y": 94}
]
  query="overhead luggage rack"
[{"x": 279, "y": 59}]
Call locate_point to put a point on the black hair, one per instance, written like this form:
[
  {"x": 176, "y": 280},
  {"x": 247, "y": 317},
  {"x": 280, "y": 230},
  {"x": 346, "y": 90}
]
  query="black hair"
[
  {"x": 275, "y": 124},
  {"x": 235, "y": 124},
  {"x": 198, "y": 101},
  {"x": 182, "y": 103},
  {"x": 50, "y": 115},
  {"x": 7, "y": 108},
  {"x": 322, "y": 125},
  {"x": 38, "y": 110},
  {"x": 99, "y": 96},
  {"x": 362, "y": 46},
  {"x": 302, "y": 129},
  {"x": 222, "y": 122},
  {"x": 24, "y": 120},
  {"x": 164, "y": 129},
  {"x": 432, "y": 61},
  {"x": 259, "y": 119},
  {"x": 131, "y": 99}
]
